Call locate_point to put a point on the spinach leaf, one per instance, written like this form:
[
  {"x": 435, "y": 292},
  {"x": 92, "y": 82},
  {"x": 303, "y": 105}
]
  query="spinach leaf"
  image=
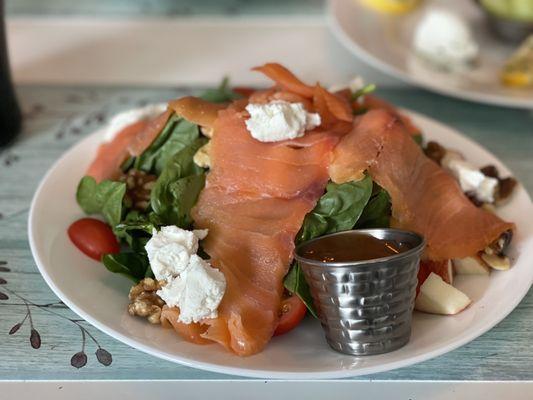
[
  {"x": 377, "y": 212},
  {"x": 295, "y": 283},
  {"x": 103, "y": 198},
  {"x": 221, "y": 94},
  {"x": 175, "y": 136},
  {"x": 132, "y": 265},
  {"x": 135, "y": 220},
  {"x": 135, "y": 230},
  {"x": 177, "y": 188},
  {"x": 337, "y": 210}
]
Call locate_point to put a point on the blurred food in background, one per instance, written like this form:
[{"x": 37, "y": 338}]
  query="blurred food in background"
[
  {"x": 518, "y": 71},
  {"x": 392, "y": 6},
  {"x": 511, "y": 20},
  {"x": 445, "y": 40}
]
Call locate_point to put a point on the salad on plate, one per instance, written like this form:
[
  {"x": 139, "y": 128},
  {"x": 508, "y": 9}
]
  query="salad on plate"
[{"x": 202, "y": 201}]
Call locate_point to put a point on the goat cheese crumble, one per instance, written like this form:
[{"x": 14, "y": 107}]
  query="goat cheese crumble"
[
  {"x": 192, "y": 284},
  {"x": 445, "y": 39},
  {"x": 279, "y": 120},
  {"x": 123, "y": 119},
  {"x": 470, "y": 178}
]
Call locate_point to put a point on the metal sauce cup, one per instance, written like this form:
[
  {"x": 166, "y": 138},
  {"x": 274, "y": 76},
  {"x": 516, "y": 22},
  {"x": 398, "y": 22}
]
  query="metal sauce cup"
[{"x": 365, "y": 307}]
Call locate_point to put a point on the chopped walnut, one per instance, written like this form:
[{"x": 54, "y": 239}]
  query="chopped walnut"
[
  {"x": 139, "y": 185},
  {"x": 202, "y": 157},
  {"x": 505, "y": 188},
  {"x": 505, "y": 185},
  {"x": 144, "y": 302},
  {"x": 491, "y": 171},
  {"x": 435, "y": 151}
]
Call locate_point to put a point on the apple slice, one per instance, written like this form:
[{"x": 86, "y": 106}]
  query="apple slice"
[
  {"x": 470, "y": 266},
  {"x": 444, "y": 269},
  {"x": 439, "y": 297}
]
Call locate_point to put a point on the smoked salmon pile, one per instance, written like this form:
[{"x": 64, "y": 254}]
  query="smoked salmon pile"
[
  {"x": 254, "y": 203},
  {"x": 129, "y": 142},
  {"x": 255, "y": 200},
  {"x": 425, "y": 198}
]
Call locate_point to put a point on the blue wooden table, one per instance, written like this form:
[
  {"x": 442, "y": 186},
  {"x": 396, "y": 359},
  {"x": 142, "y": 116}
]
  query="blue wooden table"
[{"x": 56, "y": 118}]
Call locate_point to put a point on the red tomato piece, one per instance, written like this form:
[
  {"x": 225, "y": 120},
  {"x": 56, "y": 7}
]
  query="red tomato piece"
[
  {"x": 292, "y": 312},
  {"x": 93, "y": 237}
]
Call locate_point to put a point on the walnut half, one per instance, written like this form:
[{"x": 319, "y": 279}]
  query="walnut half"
[
  {"x": 202, "y": 158},
  {"x": 144, "y": 302},
  {"x": 139, "y": 185}
]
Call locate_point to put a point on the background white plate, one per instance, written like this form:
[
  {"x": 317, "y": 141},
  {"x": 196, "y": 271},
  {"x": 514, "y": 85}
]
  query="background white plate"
[
  {"x": 101, "y": 297},
  {"x": 385, "y": 42}
]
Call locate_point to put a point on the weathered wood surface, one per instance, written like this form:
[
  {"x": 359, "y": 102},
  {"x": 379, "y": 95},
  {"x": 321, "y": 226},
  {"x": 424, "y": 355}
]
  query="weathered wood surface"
[{"x": 58, "y": 117}]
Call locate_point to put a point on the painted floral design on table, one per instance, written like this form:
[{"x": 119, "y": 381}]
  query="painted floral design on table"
[{"x": 79, "y": 359}]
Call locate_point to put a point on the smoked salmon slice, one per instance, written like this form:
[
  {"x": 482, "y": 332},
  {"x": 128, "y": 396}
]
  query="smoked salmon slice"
[
  {"x": 192, "y": 332},
  {"x": 256, "y": 197},
  {"x": 130, "y": 141},
  {"x": 333, "y": 108},
  {"x": 196, "y": 110},
  {"x": 254, "y": 203},
  {"x": 425, "y": 198},
  {"x": 285, "y": 79},
  {"x": 371, "y": 102}
]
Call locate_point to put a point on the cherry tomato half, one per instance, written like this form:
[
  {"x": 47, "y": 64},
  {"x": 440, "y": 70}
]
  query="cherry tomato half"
[
  {"x": 292, "y": 312},
  {"x": 93, "y": 237}
]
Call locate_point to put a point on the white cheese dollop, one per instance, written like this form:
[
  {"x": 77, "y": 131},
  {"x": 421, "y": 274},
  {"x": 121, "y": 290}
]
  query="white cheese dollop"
[
  {"x": 125, "y": 118},
  {"x": 197, "y": 291},
  {"x": 170, "y": 249},
  {"x": 191, "y": 283},
  {"x": 470, "y": 178},
  {"x": 279, "y": 120},
  {"x": 446, "y": 40}
]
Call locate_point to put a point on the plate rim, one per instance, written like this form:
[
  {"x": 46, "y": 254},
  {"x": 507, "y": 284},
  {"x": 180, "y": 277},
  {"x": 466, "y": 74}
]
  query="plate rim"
[
  {"x": 258, "y": 373},
  {"x": 346, "y": 40}
]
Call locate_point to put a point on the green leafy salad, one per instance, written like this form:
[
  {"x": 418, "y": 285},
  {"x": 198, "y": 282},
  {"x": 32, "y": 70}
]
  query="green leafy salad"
[{"x": 166, "y": 175}]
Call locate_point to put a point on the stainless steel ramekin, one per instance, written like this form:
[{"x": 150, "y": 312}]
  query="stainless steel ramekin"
[{"x": 365, "y": 307}]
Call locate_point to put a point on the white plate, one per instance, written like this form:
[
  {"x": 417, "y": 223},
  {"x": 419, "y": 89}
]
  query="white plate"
[
  {"x": 385, "y": 42},
  {"x": 101, "y": 297}
]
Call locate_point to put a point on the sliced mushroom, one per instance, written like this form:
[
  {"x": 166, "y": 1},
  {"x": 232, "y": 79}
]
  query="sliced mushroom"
[
  {"x": 500, "y": 246},
  {"x": 501, "y": 263}
]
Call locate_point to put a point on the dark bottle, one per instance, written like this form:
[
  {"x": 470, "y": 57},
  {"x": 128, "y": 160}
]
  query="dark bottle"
[{"x": 10, "y": 117}]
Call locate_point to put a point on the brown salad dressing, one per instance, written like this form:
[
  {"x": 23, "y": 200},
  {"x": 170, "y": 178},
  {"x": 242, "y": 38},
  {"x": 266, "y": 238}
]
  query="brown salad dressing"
[{"x": 351, "y": 248}]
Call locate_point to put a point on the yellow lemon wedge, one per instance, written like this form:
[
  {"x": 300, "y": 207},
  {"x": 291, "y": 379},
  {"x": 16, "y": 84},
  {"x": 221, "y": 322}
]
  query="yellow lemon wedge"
[
  {"x": 518, "y": 71},
  {"x": 516, "y": 79},
  {"x": 391, "y": 6}
]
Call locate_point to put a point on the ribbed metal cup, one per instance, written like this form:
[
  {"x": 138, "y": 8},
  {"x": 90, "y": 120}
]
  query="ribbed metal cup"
[{"x": 365, "y": 307}]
